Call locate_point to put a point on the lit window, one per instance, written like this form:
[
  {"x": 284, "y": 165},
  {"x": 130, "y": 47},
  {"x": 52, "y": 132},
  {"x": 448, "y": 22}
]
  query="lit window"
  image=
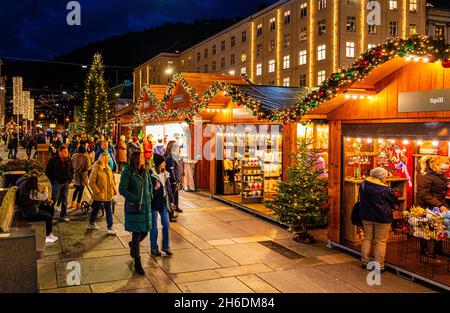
[
  {"x": 322, "y": 27},
  {"x": 350, "y": 49},
  {"x": 320, "y": 77},
  {"x": 412, "y": 29},
  {"x": 303, "y": 34},
  {"x": 321, "y": 52},
  {"x": 287, "y": 17},
  {"x": 304, "y": 9},
  {"x": 439, "y": 31},
  {"x": 322, "y": 4},
  {"x": 393, "y": 29},
  {"x": 271, "y": 66},
  {"x": 286, "y": 62},
  {"x": 372, "y": 29},
  {"x": 413, "y": 6},
  {"x": 259, "y": 30},
  {"x": 243, "y": 70},
  {"x": 258, "y": 69},
  {"x": 286, "y": 40},
  {"x": 272, "y": 24},
  {"x": 302, "y": 57},
  {"x": 371, "y": 45},
  {"x": 286, "y": 81},
  {"x": 393, "y": 5},
  {"x": 243, "y": 57},
  {"x": 232, "y": 72},
  {"x": 351, "y": 24}
]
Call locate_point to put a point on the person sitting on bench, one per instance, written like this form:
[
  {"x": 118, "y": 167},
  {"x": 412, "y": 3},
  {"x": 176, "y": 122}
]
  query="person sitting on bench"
[{"x": 34, "y": 205}]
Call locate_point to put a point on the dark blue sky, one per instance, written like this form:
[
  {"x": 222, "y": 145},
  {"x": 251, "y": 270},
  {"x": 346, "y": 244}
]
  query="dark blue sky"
[{"x": 38, "y": 29}]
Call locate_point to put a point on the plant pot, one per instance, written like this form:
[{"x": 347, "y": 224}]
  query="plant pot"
[{"x": 304, "y": 238}]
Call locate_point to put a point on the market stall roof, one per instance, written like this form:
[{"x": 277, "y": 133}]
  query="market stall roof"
[
  {"x": 202, "y": 82},
  {"x": 274, "y": 97}
]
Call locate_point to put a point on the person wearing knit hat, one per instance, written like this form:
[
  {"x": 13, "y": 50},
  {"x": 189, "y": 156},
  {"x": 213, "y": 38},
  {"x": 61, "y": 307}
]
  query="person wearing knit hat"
[
  {"x": 377, "y": 201},
  {"x": 161, "y": 204}
]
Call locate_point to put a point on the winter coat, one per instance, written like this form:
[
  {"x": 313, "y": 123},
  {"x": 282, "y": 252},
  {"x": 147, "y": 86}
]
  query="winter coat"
[
  {"x": 376, "y": 201},
  {"x": 148, "y": 149},
  {"x": 173, "y": 168},
  {"x": 112, "y": 163},
  {"x": 28, "y": 204},
  {"x": 59, "y": 170},
  {"x": 81, "y": 163},
  {"x": 101, "y": 182},
  {"x": 431, "y": 189},
  {"x": 122, "y": 152},
  {"x": 130, "y": 188},
  {"x": 159, "y": 148},
  {"x": 162, "y": 196},
  {"x": 13, "y": 143},
  {"x": 132, "y": 147}
]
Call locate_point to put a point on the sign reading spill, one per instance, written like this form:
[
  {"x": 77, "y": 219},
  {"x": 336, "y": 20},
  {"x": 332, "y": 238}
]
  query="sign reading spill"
[{"x": 424, "y": 101}]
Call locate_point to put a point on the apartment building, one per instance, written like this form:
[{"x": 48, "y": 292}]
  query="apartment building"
[
  {"x": 438, "y": 19},
  {"x": 292, "y": 42},
  {"x": 2, "y": 96}
]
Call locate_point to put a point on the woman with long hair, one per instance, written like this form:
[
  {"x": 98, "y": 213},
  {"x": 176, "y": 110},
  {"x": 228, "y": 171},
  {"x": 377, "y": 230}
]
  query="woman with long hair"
[
  {"x": 101, "y": 182},
  {"x": 34, "y": 205},
  {"x": 81, "y": 164},
  {"x": 136, "y": 187}
]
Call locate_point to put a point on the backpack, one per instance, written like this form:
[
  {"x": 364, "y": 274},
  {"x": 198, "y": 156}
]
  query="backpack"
[{"x": 356, "y": 219}]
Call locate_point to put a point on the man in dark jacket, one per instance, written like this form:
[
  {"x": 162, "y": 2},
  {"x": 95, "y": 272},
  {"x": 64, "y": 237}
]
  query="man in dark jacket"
[
  {"x": 173, "y": 168},
  {"x": 59, "y": 172},
  {"x": 55, "y": 143},
  {"x": 377, "y": 200}
]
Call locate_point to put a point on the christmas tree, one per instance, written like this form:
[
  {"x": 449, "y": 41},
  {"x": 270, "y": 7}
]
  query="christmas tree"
[
  {"x": 300, "y": 201},
  {"x": 97, "y": 110}
]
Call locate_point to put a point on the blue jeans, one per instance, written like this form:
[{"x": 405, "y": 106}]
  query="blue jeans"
[
  {"x": 96, "y": 205},
  {"x": 154, "y": 231},
  {"x": 61, "y": 190}
]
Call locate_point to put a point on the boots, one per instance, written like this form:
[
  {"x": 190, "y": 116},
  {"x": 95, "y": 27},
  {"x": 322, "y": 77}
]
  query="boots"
[
  {"x": 131, "y": 249},
  {"x": 138, "y": 266}
]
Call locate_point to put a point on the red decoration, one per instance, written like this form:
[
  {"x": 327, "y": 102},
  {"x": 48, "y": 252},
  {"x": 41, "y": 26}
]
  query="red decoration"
[
  {"x": 446, "y": 63},
  {"x": 378, "y": 53},
  {"x": 320, "y": 94},
  {"x": 363, "y": 63},
  {"x": 431, "y": 59}
]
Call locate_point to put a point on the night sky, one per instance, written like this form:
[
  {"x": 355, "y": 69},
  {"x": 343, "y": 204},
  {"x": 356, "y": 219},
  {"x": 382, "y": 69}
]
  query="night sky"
[{"x": 38, "y": 29}]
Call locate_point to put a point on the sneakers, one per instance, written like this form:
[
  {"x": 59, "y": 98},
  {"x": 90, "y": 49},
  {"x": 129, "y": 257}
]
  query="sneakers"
[
  {"x": 65, "y": 219},
  {"x": 112, "y": 232},
  {"x": 93, "y": 226},
  {"x": 168, "y": 252},
  {"x": 156, "y": 253},
  {"x": 51, "y": 238}
]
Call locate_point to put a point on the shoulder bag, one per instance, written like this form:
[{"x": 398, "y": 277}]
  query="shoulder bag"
[{"x": 135, "y": 206}]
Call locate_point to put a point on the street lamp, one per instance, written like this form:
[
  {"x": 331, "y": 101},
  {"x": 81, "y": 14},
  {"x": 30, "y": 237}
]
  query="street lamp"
[{"x": 169, "y": 71}]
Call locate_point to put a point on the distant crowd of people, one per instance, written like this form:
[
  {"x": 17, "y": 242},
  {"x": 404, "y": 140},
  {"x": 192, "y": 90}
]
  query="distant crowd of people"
[{"x": 150, "y": 181}]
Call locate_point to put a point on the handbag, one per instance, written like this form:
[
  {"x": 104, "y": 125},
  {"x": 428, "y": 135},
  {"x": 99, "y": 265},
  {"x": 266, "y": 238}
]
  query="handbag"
[
  {"x": 135, "y": 206},
  {"x": 356, "y": 219}
]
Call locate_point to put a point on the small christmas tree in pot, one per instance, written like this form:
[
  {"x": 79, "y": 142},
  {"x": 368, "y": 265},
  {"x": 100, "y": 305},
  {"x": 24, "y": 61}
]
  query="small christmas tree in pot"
[{"x": 301, "y": 201}]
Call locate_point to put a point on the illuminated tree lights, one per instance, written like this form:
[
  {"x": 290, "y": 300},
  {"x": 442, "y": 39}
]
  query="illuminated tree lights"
[
  {"x": 97, "y": 110},
  {"x": 430, "y": 50}
]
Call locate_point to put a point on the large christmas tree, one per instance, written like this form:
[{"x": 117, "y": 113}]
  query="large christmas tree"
[
  {"x": 97, "y": 110},
  {"x": 300, "y": 201}
]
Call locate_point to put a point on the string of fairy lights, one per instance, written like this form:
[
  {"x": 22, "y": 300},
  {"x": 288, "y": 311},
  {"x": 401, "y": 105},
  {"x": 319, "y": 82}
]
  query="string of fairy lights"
[
  {"x": 23, "y": 104},
  {"x": 416, "y": 48}
]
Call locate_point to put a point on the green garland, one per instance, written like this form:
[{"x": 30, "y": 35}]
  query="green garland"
[{"x": 421, "y": 46}]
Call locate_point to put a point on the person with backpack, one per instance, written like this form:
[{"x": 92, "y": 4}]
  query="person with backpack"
[{"x": 377, "y": 201}]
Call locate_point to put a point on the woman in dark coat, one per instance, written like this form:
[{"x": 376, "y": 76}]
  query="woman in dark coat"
[
  {"x": 432, "y": 186},
  {"x": 136, "y": 185}
]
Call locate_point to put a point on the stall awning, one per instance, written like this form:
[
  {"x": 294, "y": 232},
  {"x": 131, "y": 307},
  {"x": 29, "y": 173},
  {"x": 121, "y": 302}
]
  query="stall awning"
[{"x": 274, "y": 97}]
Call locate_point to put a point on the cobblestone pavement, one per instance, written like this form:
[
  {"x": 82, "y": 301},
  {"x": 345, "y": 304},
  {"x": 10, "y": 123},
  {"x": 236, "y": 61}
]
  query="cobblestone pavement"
[{"x": 216, "y": 248}]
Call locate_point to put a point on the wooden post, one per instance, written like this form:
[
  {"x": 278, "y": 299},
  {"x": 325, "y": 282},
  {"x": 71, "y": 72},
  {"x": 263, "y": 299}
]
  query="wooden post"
[
  {"x": 289, "y": 146},
  {"x": 334, "y": 187}
]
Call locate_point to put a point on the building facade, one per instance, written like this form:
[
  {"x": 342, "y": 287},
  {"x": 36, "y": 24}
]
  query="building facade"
[
  {"x": 438, "y": 20},
  {"x": 2, "y": 97},
  {"x": 292, "y": 42}
]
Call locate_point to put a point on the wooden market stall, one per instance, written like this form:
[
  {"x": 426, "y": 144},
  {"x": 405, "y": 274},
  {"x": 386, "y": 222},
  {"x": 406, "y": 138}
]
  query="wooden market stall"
[{"x": 391, "y": 117}]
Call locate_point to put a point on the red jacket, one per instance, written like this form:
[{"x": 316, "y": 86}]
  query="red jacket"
[{"x": 148, "y": 147}]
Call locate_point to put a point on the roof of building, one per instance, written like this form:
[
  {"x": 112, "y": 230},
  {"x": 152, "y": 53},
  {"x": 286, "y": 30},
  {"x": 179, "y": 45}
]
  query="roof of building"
[
  {"x": 441, "y": 4},
  {"x": 274, "y": 97}
]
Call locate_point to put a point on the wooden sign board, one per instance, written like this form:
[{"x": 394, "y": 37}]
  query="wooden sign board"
[{"x": 424, "y": 101}]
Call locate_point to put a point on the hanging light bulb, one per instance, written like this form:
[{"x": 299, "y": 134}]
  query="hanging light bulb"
[
  {"x": 435, "y": 143},
  {"x": 405, "y": 141},
  {"x": 369, "y": 140},
  {"x": 380, "y": 140},
  {"x": 408, "y": 58},
  {"x": 419, "y": 142}
]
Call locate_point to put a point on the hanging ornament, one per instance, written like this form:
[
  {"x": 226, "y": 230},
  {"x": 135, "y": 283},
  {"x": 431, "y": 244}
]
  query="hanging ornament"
[
  {"x": 351, "y": 73},
  {"x": 446, "y": 63},
  {"x": 401, "y": 53},
  {"x": 410, "y": 47},
  {"x": 320, "y": 94},
  {"x": 363, "y": 63},
  {"x": 378, "y": 53},
  {"x": 314, "y": 104}
]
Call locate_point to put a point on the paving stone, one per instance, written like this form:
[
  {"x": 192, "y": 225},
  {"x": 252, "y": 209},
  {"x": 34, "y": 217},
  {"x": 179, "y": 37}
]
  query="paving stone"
[
  {"x": 219, "y": 242},
  {"x": 194, "y": 276},
  {"x": 47, "y": 276},
  {"x": 290, "y": 264},
  {"x": 216, "y": 231},
  {"x": 257, "y": 284},
  {"x": 142, "y": 290},
  {"x": 251, "y": 253},
  {"x": 221, "y": 285},
  {"x": 258, "y": 228},
  {"x": 220, "y": 258},
  {"x": 197, "y": 218},
  {"x": 336, "y": 258},
  {"x": 309, "y": 280},
  {"x": 160, "y": 281},
  {"x": 243, "y": 270},
  {"x": 121, "y": 285},
  {"x": 186, "y": 260},
  {"x": 251, "y": 239},
  {"x": 74, "y": 289},
  {"x": 105, "y": 253}
]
